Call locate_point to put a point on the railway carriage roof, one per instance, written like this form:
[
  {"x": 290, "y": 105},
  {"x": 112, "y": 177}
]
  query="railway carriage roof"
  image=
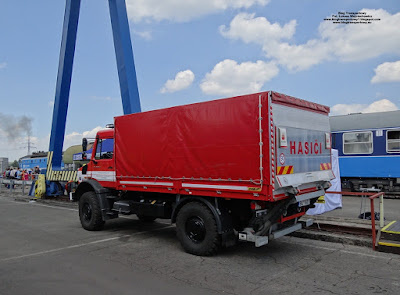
[{"x": 365, "y": 121}]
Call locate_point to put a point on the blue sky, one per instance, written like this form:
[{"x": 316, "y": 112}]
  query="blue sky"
[{"x": 208, "y": 49}]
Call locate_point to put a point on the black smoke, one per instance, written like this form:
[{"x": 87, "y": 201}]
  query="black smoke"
[{"x": 15, "y": 127}]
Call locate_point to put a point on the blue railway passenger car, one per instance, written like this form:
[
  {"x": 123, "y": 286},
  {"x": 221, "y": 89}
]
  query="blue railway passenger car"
[
  {"x": 369, "y": 150},
  {"x": 36, "y": 159}
]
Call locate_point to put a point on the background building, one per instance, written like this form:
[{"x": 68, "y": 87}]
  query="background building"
[{"x": 3, "y": 164}]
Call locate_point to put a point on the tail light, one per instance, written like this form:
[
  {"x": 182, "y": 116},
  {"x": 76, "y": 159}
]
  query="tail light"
[
  {"x": 282, "y": 137},
  {"x": 328, "y": 143},
  {"x": 254, "y": 205}
]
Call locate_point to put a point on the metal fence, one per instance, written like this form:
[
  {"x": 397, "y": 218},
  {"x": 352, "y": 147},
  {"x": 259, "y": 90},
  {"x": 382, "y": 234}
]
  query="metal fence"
[
  {"x": 372, "y": 196},
  {"x": 15, "y": 185}
]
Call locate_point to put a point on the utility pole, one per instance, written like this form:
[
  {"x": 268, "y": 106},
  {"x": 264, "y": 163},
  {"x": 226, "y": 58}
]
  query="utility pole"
[{"x": 29, "y": 145}]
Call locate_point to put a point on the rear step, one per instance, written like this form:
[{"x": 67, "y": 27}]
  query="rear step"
[
  {"x": 249, "y": 236},
  {"x": 123, "y": 207}
]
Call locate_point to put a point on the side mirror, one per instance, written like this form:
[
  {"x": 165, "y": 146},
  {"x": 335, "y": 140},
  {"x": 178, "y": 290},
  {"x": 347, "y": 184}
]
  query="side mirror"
[{"x": 84, "y": 144}]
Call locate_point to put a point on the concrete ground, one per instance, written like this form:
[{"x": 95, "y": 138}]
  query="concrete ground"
[
  {"x": 44, "y": 250},
  {"x": 352, "y": 205}
]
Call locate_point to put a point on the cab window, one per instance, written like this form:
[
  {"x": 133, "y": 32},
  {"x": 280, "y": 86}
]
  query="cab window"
[{"x": 104, "y": 149}]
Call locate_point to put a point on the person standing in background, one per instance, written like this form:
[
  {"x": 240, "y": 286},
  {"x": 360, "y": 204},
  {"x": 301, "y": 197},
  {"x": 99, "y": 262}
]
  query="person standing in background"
[
  {"x": 18, "y": 174},
  {"x": 13, "y": 173}
]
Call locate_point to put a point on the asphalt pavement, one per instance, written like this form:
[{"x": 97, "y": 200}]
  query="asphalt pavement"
[{"x": 44, "y": 250}]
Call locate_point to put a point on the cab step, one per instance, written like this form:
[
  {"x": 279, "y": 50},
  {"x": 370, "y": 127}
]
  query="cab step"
[{"x": 154, "y": 208}]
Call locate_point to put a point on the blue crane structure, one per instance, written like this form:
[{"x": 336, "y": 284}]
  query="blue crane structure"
[{"x": 126, "y": 74}]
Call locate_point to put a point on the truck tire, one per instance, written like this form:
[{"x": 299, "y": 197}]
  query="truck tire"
[
  {"x": 145, "y": 218},
  {"x": 197, "y": 231},
  {"x": 90, "y": 212}
]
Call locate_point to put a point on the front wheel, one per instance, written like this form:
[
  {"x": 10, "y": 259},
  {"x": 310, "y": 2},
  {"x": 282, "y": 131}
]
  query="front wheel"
[
  {"x": 197, "y": 230},
  {"x": 90, "y": 212}
]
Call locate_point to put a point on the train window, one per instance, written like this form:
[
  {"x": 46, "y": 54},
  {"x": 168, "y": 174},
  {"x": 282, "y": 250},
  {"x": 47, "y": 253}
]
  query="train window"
[
  {"x": 393, "y": 141},
  {"x": 357, "y": 143}
]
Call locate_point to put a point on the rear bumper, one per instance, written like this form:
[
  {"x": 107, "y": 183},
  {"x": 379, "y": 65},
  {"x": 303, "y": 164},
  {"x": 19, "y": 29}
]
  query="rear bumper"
[
  {"x": 308, "y": 196},
  {"x": 297, "y": 179}
]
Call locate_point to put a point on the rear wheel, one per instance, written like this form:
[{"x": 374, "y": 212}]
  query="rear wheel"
[
  {"x": 90, "y": 212},
  {"x": 197, "y": 230}
]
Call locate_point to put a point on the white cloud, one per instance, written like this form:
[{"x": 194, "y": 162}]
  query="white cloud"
[
  {"x": 41, "y": 143},
  {"x": 182, "y": 10},
  {"x": 145, "y": 34},
  {"x": 345, "y": 109},
  {"x": 92, "y": 133},
  {"x": 344, "y": 42},
  {"x": 182, "y": 80},
  {"x": 259, "y": 30},
  {"x": 71, "y": 139},
  {"x": 75, "y": 138},
  {"x": 387, "y": 72},
  {"x": 249, "y": 29},
  {"x": 14, "y": 150},
  {"x": 382, "y": 105},
  {"x": 230, "y": 78},
  {"x": 3, "y": 65},
  {"x": 298, "y": 57}
]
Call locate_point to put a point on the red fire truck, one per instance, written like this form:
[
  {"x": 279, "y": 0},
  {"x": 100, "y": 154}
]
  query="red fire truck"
[{"x": 242, "y": 168}]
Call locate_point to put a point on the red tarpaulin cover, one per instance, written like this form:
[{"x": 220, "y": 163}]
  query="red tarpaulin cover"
[{"x": 217, "y": 139}]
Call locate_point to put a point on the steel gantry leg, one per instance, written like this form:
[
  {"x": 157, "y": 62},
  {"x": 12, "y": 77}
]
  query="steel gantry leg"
[
  {"x": 126, "y": 72},
  {"x": 67, "y": 52},
  {"x": 124, "y": 55}
]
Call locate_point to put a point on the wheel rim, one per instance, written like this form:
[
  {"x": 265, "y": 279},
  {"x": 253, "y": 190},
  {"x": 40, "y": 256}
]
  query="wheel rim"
[
  {"x": 87, "y": 211},
  {"x": 195, "y": 229}
]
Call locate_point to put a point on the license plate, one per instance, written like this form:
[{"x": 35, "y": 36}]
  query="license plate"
[{"x": 304, "y": 203}]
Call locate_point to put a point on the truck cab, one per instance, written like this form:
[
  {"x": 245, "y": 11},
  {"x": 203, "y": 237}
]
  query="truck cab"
[{"x": 101, "y": 166}]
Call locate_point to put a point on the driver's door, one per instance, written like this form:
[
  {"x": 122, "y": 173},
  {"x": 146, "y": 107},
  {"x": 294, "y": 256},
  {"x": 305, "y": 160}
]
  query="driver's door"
[{"x": 103, "y": 163}]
